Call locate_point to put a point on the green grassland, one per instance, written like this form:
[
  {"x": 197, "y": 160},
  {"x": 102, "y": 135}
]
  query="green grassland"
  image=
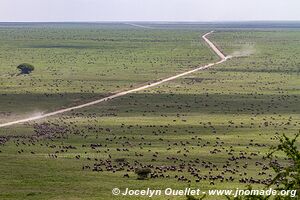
[
  {"x": 218, "y": 122},
  {"x": 74, "y": 64}
]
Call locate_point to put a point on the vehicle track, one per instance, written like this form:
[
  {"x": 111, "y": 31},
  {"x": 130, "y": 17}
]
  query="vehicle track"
[{"x": 210, "y": 44}]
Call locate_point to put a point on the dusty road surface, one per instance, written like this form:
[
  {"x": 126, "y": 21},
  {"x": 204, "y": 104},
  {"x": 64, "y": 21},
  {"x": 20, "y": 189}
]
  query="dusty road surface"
[
  {"x": 210, "y": 44},
  {"x": 213, "y": 47}
]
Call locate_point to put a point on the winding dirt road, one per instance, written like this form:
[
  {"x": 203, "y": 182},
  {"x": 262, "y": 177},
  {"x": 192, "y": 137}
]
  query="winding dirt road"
[{"x": 210, "y": 44}]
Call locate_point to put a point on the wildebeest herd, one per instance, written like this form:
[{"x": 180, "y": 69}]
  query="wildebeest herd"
[
  {"x": 123, "y": 146},
  {"x": 211, "y": 129}
]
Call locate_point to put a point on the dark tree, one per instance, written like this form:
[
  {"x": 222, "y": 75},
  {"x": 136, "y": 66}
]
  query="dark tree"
[
  {"x": 25, "y": 68},
  {"x": 143, "y": 173}
]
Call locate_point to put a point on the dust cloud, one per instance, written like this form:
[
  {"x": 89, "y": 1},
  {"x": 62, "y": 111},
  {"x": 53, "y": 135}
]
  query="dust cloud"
[{"x": 245, "y": 51}]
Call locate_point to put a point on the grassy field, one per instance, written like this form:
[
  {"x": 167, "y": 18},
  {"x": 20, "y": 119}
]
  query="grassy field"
[
  {"x": 76, "y": 64},
  {"x": 209, "y": 130}
]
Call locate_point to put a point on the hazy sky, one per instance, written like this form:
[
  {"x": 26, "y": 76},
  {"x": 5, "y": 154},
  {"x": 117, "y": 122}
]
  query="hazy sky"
[{"x": 148, "y": 10}]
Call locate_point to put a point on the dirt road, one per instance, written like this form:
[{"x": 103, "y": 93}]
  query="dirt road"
[{"x": 211, "y": 45}]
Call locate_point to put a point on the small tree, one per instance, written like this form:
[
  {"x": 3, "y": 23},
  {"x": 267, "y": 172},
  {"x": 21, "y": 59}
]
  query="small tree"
[
  {"x": 25, "y": 68},
  {"x": 288, "y": 176},
  {"x": 143, "y": 173}
]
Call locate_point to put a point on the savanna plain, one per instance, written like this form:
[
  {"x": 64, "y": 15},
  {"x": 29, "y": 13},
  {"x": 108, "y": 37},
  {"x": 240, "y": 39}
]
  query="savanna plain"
[{"x": 210, "y": 130}]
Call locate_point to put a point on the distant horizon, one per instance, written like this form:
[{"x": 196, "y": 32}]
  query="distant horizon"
[
  {"x": 149, "y": 21},
  {"x": 148, "y": 10}
]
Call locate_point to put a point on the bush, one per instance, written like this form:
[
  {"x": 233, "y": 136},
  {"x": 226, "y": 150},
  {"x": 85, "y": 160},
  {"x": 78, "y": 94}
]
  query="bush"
[
  {"x": 143, "y": 173},
  {"x": 287, "y": 176},
  {"x": 25, "y": 68}
]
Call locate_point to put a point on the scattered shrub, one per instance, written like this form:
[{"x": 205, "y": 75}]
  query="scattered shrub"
[
  {"x": 143, "y": 173},
  {"x": 25, "y": 68}
]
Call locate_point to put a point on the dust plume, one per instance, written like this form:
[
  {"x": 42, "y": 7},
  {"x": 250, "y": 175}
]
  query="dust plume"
[{"x": 245, "y": 51}]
